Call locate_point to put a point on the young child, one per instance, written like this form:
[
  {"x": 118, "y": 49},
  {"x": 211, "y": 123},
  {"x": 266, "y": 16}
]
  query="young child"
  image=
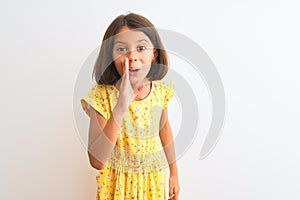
[{"x": 130, "y": 139}]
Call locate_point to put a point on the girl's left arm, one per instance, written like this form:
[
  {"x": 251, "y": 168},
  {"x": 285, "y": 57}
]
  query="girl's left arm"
[{"x": 166, "y": 138}]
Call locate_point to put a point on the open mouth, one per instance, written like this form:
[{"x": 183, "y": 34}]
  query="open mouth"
[{"x": 134, "y": 70}]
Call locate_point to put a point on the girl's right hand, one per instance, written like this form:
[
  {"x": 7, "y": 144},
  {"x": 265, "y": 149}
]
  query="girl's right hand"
[{"x": 126, "y": 93}]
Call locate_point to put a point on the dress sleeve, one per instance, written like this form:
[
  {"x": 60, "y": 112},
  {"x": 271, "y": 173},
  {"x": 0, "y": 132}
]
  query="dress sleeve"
[
  {"x": 168, "y": 92},
  {"x": 95, "y": 97}
]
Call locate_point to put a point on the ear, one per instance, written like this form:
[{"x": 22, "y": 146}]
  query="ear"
[{"x": 155, "y": 54}]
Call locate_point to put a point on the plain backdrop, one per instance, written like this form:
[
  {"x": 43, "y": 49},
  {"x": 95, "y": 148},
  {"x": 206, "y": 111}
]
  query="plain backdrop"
[{"x": 254, "y": 45}]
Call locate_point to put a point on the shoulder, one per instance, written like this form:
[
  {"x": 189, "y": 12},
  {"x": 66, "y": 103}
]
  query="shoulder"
[
  {"x": 99, "y": 97},
  {"x": 163, "y": 86},
  {"x": 101, "y": 87},
  {"x": 101, "y": 90},
  {"x": 99, "y": 94},
  {"x": 165, "y": 90}
]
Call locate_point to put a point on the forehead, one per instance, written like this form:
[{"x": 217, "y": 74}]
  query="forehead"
[{"x": 127, "y": 35}]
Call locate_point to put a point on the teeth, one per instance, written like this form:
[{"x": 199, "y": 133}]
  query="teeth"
[{"x": 133, "y": 70}]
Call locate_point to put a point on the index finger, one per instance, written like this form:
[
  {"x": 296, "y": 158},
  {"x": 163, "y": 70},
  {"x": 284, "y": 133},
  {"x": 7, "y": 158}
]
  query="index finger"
[{"x": 126, "y": 66}]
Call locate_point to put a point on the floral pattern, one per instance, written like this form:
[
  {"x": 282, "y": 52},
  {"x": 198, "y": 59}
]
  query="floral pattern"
[{"x": 136, "y": 167}]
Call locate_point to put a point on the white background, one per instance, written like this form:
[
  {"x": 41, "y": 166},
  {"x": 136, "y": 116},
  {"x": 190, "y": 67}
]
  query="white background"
[{"x": 254, "y": 45}]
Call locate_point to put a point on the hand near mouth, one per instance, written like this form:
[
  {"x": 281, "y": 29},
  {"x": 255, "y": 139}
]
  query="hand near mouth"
[{"x": 127, "y": 94}]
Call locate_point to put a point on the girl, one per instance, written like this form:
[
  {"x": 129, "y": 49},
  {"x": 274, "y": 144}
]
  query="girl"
[{"x": 130, "y": 139}]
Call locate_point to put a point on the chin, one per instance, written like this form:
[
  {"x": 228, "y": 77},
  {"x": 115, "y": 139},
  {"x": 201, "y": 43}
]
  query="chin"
[{"x": 135, "y": 81}]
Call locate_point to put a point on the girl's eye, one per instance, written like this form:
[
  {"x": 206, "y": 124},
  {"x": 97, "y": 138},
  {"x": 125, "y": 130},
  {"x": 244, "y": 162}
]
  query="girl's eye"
[
  {"x": 121, "y": 49},
  {"x": 141, "y": 48}
]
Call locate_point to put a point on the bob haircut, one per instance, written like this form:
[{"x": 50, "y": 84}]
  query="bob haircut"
[{"x": 104, "y": 69}]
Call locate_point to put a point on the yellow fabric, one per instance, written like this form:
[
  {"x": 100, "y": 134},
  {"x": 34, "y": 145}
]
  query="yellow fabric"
[{"x": 136, "y": 168}]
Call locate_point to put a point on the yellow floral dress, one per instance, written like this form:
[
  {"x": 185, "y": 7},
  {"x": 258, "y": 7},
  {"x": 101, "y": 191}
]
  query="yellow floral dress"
[{"x": 136, "y": 167}]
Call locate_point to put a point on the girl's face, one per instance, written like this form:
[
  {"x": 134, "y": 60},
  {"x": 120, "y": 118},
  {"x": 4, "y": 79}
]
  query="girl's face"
[{"x": 137, "y": 47}]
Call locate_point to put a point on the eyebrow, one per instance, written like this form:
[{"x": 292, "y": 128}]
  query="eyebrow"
[{"x": 121, "y": 42}]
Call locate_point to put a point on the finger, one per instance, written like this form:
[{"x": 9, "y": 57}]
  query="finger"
[
  {"x": 125, "y": 75},
  {"x": 171, "y": 197},
  {"x": 176, "y": 191},
  {"x": 126, "y": 66},
  {"x": 171, "y": 193}
]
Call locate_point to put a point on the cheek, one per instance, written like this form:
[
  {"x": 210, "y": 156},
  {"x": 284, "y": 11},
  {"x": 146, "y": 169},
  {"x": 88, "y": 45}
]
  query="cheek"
[
  {"x": 150, "y": 57},
  {"x": 118, "y": 66},
  {"x": 146, "y": 68}
]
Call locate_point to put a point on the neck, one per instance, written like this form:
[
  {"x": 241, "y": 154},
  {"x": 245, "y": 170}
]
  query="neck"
[{"x": 145, "y": 92}]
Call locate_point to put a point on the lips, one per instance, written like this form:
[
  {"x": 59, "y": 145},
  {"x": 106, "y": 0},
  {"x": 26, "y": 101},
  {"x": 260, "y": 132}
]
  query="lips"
[{"x": 133, "y": 72}]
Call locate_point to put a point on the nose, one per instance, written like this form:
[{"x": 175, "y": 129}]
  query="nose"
[{"x": 132, "y": 56}]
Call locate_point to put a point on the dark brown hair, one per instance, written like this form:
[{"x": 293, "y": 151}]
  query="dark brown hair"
[{"x": 104, "y": 69}]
